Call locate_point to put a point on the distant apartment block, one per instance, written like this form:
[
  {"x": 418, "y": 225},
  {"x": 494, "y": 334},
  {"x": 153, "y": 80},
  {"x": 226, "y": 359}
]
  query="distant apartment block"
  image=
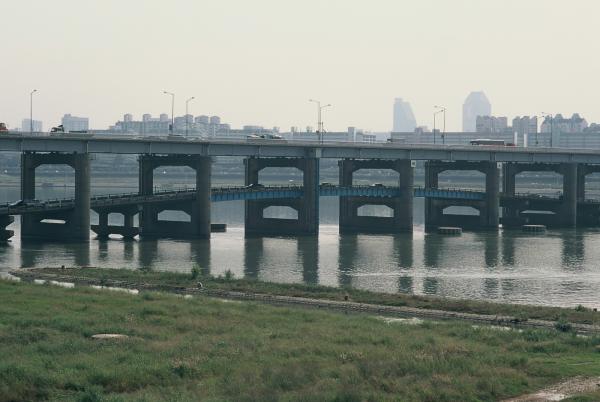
[
  {"x": 36, "y": 128},
  {"x": 525, "y": 125},
  {"x": 560, "y": 124},
  {"x": 404, "y": 119},
  {"x": 74, "y": 123},
  {"x": 491, "y": 124},
  {"x": 476, "y": 104}
]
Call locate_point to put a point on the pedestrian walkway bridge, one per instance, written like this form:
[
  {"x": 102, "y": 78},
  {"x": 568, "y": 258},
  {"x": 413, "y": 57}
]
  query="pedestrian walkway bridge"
[{"x": 240, "y": 193}]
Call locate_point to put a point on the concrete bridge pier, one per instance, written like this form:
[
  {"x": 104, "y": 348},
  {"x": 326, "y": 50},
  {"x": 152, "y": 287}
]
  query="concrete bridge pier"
[
  {"x": 402, "y": 205},
  {"x": 560, "y": 212},
  {"x": 73, "y": 225},
  {"x": 588, "y": 214},
  {"x": 103, "y": 229},
  {"x": 488, "y": 208},
  {"x": 198, "y": 210},
  {"x": 307, "y": 207},
  {"x": 6, "y": 234}
]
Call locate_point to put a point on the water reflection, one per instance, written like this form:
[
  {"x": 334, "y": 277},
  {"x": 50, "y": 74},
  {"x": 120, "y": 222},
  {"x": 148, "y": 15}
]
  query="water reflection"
[
  {"x": 308, "y": 255},
  {"x": 556, "y": 268}
]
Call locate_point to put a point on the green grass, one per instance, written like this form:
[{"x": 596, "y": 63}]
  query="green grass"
[
  {"x": 206, "y": 349},
  {"x": 522, "y": 312}
]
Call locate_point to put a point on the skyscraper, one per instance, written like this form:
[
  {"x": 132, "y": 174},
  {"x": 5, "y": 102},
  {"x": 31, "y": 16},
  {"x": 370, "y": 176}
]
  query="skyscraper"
[
  {"x": 476, "y": 104},
  {"x": 404, "y": 119}
]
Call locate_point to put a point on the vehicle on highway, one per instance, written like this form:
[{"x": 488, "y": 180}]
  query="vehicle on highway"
[
  {"x": 3, "y": 127},
  {"x": 255, "y": 186},
  {"x": 326, "y": 184},
  {"x": 377, "y": 185},
  {"x": 487, "y": 141},
  {"x": 264, "y": 137},
  {"x": 26, "y": 203}
]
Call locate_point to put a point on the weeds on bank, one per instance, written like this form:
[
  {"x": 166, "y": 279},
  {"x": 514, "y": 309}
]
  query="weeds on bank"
[{"x": 202, "y": 349}]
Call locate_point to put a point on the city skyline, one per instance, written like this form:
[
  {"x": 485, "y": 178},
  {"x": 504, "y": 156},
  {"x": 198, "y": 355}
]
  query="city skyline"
[{"x": 251, "y": 75}]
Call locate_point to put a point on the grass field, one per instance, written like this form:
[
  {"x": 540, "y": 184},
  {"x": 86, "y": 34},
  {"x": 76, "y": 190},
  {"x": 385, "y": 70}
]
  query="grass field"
[
  {"x": 579, "y": 315},
  {"x": 207, "y": 349}
]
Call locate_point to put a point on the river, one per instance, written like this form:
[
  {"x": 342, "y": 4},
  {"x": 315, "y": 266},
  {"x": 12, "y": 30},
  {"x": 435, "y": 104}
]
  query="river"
[{"x": 557, "y": 268}]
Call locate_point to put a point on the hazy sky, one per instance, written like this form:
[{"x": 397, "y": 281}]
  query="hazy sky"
[{"x": 259, "y": 61}]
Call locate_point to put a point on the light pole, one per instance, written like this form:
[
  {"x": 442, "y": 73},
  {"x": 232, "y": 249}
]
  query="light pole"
[
  {"x": 319, "y": 120},
  {"x": 435, "y": 113},
  {"x": 441, "y": 109},
  {"x": 31, "y": 111},
  {"x": 187, "y": 119},
  {"x": 544, "y": 114},
  {"x": 172, "y": 110}
]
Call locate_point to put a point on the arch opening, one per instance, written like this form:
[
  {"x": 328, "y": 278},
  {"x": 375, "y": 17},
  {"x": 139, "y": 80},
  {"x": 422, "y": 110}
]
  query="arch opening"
[
  {"x": 546, "y": 184},
  {"x": 461, "y": 210},
  {"x": 382, "y": 211},
  {"x": 280, "y": 212},
  {"x": 365, "y": 177},
  {"x": 282, "y": 176},
  {"x": 463, "y": 179},
  {"x": 169, "y": 215}
]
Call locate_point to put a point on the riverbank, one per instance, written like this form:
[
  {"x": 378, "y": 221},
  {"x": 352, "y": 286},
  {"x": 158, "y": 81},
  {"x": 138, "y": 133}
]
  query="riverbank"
[
  {"x": 507, "y": 313},
  {"x": 201, "y": 348}
]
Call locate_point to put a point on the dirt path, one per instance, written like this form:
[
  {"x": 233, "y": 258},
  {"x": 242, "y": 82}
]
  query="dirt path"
[{"x": 562, "y": 390}]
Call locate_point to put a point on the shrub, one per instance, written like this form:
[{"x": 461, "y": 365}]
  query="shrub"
[
  {"x": 563, "y": 325},
  {"x": 195, "y": 272}
]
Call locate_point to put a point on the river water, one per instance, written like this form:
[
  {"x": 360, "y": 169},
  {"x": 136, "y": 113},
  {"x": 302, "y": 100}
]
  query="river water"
[{"x": 557, "y": 268}]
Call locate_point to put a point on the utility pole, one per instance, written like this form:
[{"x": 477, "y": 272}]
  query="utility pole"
[
  {"x": 31, "y": 111},
  {"x": 441, "y": 110},
  {"x": 320, "y": 129},
  {"x": 187, "y": 119},
  {"x": 172, "y": 110}
]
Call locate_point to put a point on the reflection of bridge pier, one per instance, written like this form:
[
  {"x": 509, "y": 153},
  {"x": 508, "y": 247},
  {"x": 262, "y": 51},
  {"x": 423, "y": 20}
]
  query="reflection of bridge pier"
[
  {"x": 308, "y": 252},
  {"x": 200, "y": 252},
  {"x": 488, "y": 207},
  {"x": 347, "y": 252},
  {"x": 307, "y": 206},
  {"x": 253, "y": 256},
  {"x": 62, "y": 225},
  {"x": 402, "y": 205}
]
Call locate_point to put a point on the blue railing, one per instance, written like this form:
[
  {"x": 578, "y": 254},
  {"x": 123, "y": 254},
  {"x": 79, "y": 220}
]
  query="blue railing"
[{"x": 236, "y": 193}]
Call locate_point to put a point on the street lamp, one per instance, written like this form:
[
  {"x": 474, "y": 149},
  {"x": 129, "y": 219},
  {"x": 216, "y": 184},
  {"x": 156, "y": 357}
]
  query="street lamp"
[
  {"x": 187, "y": 119},
  {"x": 319, "y": 120},
  {"x": 544, "y": 114},
  {"x": 31, "y": 111},
  {"x": 441, "y": 110},
  {"x": 172, "y": 110},
  {"x": 435, "y": 113}
]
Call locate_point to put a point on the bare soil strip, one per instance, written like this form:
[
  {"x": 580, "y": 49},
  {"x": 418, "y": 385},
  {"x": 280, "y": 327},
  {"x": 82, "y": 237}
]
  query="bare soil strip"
[{"x": 342, "y": 306}]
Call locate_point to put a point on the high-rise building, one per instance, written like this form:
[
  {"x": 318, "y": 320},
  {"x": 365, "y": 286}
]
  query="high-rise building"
[
  {"x": 491, "y": 124},
  {"x": 164, "y": 117},
  {"x": 404, "y": 119},
  {"x": 476, "y": 104},
  {"x": 128, "y": 117},
  {"x": 216, "y": 120},
  {"x": 74, "y": 123},
  {"x": 560, "y": 124},
  {"x": 525, "y": 125},
  {"x": 26, "y": 125}
]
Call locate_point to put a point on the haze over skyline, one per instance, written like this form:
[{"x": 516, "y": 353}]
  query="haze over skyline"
[{"x": 259, "y": 62}]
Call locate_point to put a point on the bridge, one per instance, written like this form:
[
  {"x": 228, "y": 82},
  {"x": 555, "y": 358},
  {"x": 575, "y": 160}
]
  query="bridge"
[{"x": 498, "y": 204}]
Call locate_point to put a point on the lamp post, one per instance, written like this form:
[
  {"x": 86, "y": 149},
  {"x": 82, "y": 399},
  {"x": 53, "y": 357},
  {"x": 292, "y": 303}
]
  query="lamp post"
[
  {"x": 187, "y": 119},
  {"x": 435, "y": 113},
  {"x": 319, "y": 120},
  {"x": 172, "y": 110},
  {"x": 441, "y": 109},
  {"x": 544, "y": 114},
  {"x": 31, "y": 111}
]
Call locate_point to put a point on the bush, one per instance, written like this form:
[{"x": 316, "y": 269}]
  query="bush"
[
  {"x": 229, "y": 275},
  {"x": 563, "y": 325},
  {"x": 195, "y": 272},
  {"x": 581, "y": 308}
]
